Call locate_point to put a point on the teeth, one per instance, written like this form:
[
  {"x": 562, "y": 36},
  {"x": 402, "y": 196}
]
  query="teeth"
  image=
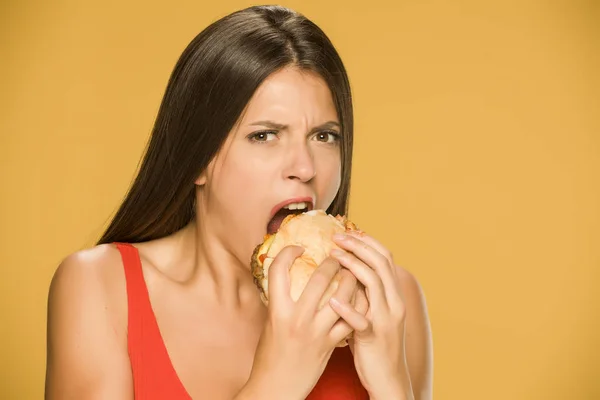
[{"x": 296, "y": 206}]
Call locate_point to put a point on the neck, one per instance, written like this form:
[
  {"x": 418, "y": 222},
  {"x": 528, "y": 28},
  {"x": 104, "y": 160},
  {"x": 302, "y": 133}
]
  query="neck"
[{"x": 212, "y": 267}]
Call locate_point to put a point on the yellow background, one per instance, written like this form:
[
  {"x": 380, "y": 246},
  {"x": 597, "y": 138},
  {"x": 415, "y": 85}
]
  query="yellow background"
[{"x": 477, "y": 162}]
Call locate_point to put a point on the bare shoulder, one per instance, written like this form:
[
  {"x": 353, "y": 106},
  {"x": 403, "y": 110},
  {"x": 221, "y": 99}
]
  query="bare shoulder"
[
  {"x": 93, "y": 277},
  {"x": 419, "y": 346},
  {"x": 102, "y": 263},
  {"x": 411, "y": 288},
  {"x": 87, "y": 313}
]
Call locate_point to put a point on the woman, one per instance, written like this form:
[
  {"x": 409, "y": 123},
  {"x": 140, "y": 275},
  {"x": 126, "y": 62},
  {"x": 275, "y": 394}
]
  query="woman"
[{"x": 257, "y": 114}]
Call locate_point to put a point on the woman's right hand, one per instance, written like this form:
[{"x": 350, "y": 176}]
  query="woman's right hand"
[{"x": 298, "y": 338}]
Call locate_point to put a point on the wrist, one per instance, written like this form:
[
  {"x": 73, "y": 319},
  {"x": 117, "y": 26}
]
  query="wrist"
[
  {"x": 391, "y": 393},
  {"x": 255, "y": 390},
  {"x": 397, "y": 388},
  {"x": 250, "y": 391}
]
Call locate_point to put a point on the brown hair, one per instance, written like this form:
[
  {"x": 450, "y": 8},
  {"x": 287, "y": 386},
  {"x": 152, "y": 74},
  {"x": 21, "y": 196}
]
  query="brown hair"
[{"x": 209, "y": 88}]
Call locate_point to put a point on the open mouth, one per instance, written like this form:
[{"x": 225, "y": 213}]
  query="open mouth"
[{"x": 285, "y": 210}]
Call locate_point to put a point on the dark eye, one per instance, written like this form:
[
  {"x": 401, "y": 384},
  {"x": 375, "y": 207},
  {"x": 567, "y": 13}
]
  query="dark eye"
[
  {"x": 262, "y": 136},
  {"x": 327, "y": 136}
]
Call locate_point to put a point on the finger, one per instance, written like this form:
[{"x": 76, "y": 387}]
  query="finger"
[
  {"x": 346, "y": 289},
  {"x": 317, "y": 285},
  {"x": 341, "y": 330},
  {"x": 278, "y": 282},
  {"x": 356, "y": 320},
  {"x": 351, "y": 344},
  {"x": 374, "y": 259},
  {"x": 367, "y": 276},
  {"x": 362, "y": 248},
  {"x": 374, "y": 243},
  {"x": 361, "y": 303}
]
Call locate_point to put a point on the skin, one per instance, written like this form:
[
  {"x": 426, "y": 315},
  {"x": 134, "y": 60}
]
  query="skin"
[
  {"x": 392, "y": 361},
  {"x": 201, "y": 273}
]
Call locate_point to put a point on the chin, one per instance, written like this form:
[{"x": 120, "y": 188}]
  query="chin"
[{"x": 312, "y": 230}]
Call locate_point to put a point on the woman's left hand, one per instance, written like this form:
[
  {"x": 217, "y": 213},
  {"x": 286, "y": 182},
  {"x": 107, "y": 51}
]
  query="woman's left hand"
[{"x": 378, "y": 341}]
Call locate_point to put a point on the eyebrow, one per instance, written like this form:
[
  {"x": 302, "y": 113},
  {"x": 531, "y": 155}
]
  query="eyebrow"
[{"x": 281, "y": 127}]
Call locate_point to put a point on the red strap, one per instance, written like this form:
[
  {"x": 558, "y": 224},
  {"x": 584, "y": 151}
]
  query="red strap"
[{"x": 153, "y": 374}]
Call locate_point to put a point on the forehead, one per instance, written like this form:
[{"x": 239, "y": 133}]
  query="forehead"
[{"x": 292, "y": 96}]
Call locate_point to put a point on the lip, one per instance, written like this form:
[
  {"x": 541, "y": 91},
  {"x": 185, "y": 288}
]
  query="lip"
[{"x": 284, "y": 203}]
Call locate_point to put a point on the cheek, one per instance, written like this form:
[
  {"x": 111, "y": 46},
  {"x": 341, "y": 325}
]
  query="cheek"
[
  {"x": 232, "y": 182},
  {"x": 235, "y": 184},
  {"x": 329, "y": 176}
]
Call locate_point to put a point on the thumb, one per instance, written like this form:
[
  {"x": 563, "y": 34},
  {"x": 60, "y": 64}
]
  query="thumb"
[{"x": 279, "y": 274}]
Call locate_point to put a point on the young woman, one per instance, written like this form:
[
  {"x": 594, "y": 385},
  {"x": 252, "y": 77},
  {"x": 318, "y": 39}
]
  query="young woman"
[{"x": 257, "y": 115}]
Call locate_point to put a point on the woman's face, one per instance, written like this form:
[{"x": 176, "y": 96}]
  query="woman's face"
[{"x": 285, "y": 147}]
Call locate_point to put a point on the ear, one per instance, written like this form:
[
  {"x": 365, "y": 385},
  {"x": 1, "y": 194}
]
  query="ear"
[{"x": 201, "y": 180}]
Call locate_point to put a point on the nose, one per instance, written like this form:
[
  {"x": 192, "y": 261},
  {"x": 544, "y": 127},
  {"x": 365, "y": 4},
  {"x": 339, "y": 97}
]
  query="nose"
[{"x": 300, "y": 163}]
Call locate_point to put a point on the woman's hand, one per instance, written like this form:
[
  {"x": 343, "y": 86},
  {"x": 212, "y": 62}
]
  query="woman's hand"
[
  {"x": 378, "y": 341},
  {"x": 298, "y": 338}
]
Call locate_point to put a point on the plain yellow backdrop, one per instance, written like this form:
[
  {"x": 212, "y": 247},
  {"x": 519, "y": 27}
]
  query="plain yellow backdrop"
[{"x": 477, "y": 162}]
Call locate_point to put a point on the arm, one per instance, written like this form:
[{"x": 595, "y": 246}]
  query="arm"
[
  {"x": 87, "y": 355},
  {"x": 419, "y": 348}
]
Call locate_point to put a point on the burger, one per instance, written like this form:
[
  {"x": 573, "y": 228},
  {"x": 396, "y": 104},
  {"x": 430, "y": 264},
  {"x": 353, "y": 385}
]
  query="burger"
[{"x": 313, "y": 230}]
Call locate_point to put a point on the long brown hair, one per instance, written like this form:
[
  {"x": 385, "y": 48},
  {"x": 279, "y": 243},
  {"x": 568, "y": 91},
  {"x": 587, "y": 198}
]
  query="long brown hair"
[{"x": 210, "y": 86}]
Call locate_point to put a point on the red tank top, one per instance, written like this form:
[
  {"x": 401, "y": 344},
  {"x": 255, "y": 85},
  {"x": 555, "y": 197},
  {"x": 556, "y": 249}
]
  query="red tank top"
[{"x": 155, "y": 378}]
